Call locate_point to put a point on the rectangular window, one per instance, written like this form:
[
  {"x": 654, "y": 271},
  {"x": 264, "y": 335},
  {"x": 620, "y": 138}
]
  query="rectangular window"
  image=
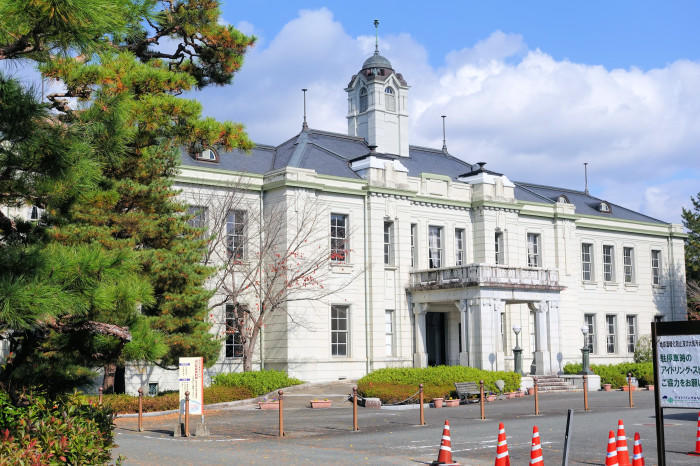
[
  {"x": 655, "y": 267},
  {"x": 339, "y": 330},
  {"x": 459, "y": 246},
  {"x": 589, "y": 321},
  {"x": 339, "y": 238},
  {"x": 234, "y": 345},
  {"x": 414, "y": 236},
  {"x": 198, "y": 216},
  {"x": 498, "y": 244},
  {"x": 389, "y": 331},
  {"x": 608, "y": 263},
  {"x": 533, "y": 250},
  {"x": 236, "y": 234},
  {"x": 435, "y": 247},
  {"x": 611, "y": 324},
  {"x": 628, "y": 263},
  {"x": 388, "y": 243},
  {"x": 586, "y": 262},
  {"x": 631, "y": 333}
]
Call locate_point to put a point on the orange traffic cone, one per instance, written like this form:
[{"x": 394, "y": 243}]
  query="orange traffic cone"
[
  {"x": 637, "y": 453},
  {"x": 697, "y": 441},
  {"x": 623, "y": 454},
  {"x": 611, "y": 457},
  {"x": 502, "y": 458},
  {"x": 536, "y": 450},
  {"x": 445, "y": 453}
]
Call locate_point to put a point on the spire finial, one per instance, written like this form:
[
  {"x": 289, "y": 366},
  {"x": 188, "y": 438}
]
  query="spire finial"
[
  {"x": 585, "y": 174},
  {"x": 376, "y": 37},
  {"x": 444, "y": 141},
  {"x": 304, "y": 126}
]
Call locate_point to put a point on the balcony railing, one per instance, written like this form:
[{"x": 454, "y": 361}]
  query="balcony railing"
[{"x": 485, "y": 275}]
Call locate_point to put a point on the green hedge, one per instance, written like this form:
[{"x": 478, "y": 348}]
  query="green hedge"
[
  {"x": 616, "y": 374},
  {"x": 62, "y": 430},
  {"x": 396, "y": 384},
  {"x": 258, "y": 382}
]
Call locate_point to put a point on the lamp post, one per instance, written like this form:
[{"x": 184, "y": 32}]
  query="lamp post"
[
  {"x": 517, "y": 351},
  {"x": 585, "y": 369}
]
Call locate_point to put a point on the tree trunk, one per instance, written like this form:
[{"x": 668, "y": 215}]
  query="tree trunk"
[{"x": 110, "y": 370}]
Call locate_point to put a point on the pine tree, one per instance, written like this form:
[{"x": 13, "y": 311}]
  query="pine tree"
[
  {"x": 691, "y": 221},
  {"x": 136, "y": 126}
]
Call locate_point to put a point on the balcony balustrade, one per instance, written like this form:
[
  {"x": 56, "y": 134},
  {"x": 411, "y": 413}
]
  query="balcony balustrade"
[{"x": 501, "y": 276}]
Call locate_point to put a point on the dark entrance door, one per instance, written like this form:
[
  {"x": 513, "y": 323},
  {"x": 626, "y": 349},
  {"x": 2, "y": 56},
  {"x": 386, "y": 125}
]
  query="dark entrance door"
[{"x": 435, "y": 338}]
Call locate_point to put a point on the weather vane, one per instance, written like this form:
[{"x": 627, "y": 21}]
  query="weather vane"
[{"x": 376, "y": 37}]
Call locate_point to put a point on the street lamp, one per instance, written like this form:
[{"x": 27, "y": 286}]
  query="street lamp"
[
  {"x": 585, "y": 369},
  {"x": 517, "y": 351}
]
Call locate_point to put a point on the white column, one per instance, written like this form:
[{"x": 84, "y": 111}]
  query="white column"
[
  {"x": 499, "y": 307},
  {"x": 484, "y": 334},
  {"x": 556, "y": 356},
  {"x": 542, "y": 355},
  {"x": 420, "y": 357},
  {"x": 463, "y": 308}
]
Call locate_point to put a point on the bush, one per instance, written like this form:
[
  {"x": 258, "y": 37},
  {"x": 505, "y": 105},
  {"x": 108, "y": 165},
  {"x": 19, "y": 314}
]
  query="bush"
[
  {"x": 642, "y": 349},
  {"x": 616, "y": 374},
  {"x": 66, "y": 429},
  {"x": 396, "y": 384},
  {"x": 166, "y": 401},
  {"x": 258, "y": 382}
]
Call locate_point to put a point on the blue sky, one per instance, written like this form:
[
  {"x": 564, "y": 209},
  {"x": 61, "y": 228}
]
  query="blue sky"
[{"x": 533, "y": 88}]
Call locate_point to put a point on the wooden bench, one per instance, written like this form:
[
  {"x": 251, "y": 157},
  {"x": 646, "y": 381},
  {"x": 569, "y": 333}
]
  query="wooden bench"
[{"x": 466, "y": 389}]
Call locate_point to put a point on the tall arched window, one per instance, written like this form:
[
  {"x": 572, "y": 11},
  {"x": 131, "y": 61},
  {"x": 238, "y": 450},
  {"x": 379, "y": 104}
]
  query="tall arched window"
[
  {"x": 363, "y": 100},
  {"x": 390, "y": 99}
]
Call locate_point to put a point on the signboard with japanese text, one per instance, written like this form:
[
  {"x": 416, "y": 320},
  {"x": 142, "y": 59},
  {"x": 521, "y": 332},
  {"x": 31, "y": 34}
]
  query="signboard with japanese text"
[
  {"x": 678, "y": 365},
  {"x": 191, "y": 377}
]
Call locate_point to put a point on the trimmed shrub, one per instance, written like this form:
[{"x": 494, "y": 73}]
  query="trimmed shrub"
[
  {"x": 258, "y": 382},
  {"x": 122, "y": 404},
  {"x": 616, "y": 374},
  {"x": 396, "y": 384},
  {"x": 39, "y": 430}
]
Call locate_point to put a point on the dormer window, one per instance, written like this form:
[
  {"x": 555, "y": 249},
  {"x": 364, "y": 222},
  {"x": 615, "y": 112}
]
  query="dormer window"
[
  {"x": 390, "y": 99},
  {"x": 208, "y": 155},
  {"x": 562, "y": 199},
  {"x": 604, "y": 207},
  {"x": 363, "y": 100}
]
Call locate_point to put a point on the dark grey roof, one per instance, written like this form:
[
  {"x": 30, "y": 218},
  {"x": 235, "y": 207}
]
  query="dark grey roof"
[
  {"x": 376, "y": 61},
  {"x": 331, "y": 154},
  {"x": 585, "y": 203}
]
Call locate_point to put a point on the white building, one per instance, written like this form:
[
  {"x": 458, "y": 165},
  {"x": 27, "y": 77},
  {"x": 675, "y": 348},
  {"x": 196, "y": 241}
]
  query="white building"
[{"x": 449, "y": 256}]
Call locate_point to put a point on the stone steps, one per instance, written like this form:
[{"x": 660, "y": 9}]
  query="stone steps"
[{"x": 552, "y": 383}]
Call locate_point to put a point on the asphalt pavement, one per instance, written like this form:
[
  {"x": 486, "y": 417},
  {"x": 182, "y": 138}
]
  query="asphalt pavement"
[{"x": 246, "y": 435}]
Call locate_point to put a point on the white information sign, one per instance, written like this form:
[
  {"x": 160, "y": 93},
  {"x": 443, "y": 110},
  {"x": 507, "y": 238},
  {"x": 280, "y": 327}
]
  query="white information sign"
[
  {"x": 191, "y": 377},
  {"x": 678, "y": 364}
]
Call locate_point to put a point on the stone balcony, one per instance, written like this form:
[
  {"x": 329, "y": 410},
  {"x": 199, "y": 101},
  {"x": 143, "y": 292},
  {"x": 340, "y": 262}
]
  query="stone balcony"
[{"x": 495, "y": 276}]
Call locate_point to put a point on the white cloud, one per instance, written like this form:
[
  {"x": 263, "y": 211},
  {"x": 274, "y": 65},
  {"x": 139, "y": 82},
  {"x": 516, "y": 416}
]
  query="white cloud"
[{"x": 525, "y": 113}]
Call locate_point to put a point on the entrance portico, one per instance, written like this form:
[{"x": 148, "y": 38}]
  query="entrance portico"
[{"x": 477, "y": 304}]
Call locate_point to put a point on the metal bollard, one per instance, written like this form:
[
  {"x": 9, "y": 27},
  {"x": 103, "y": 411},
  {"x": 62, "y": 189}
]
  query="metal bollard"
[
  {"x": 537, "y": 399},
  {"x": 421, "y": 400},
  {"x": 355, "y": 427},
  {"x": 140, "y": 409},
  {"x": 187, "y": 413},
  {"x": 585, "y": 392},
  {"x": 481, "y": 398},
  {"x": 99, "y": 398},
  {"x": 629, "y": 388},
  {"x": 281, "y": 410}
]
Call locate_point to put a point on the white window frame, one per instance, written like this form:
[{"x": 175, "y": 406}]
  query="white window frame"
[
  {"x": 611, "y": 333},
  {"x": 631, "y": 326},
  {"x": 336, "y": 344},
  {"x": 589, "y": 321},
  {"x": 340, "y": 251},
  {"x": 628, "y": 264},
  {"x": 389, "y": 340},
  {"x": 388, "y": 243},
  {"x": 414, "y": 244},
  {"x": 364, "y": 100},
  {"x": 587, "y": 250},
  {"x": 435, "y": 250},
  {"x": 499, "y": 253},
  {"x": 656, "y": 264},
  {"x": 232, "y": 343},
  {"x": 390, "y": 99},
  {"x": 199, "y": 216},
  {"x": 236, "y": 234},
  {"x": 534, "y": 250},
  {"x": 460, "y": 252},
  {"x": 608, "y": 263}
]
